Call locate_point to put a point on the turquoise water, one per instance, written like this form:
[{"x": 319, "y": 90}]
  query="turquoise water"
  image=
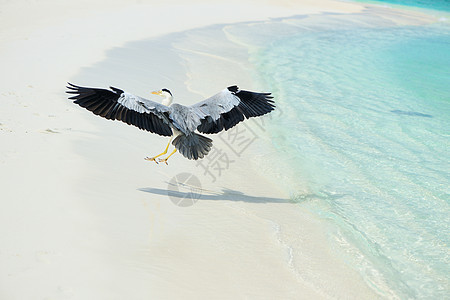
[
  {"x": 365, "y": 127},
  {"x": 443, "y": 5}
]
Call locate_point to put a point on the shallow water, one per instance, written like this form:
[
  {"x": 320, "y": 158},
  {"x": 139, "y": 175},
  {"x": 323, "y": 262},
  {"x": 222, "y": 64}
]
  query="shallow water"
[
  {"x": 363, "y": 139},
  {"x": 442, "y": 5}
]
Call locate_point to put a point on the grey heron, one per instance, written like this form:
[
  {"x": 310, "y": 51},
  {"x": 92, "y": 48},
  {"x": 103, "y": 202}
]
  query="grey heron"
[{"x": 219, "y": 112}]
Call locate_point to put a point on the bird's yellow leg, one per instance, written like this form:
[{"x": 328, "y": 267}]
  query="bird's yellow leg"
[
  {"x": 165, "y": 159},
  {"x": 164, "y": 152}
]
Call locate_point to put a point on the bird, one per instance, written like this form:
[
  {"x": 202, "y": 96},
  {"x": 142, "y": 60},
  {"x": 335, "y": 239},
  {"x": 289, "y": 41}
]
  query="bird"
[{"x": 181, "y": 123}]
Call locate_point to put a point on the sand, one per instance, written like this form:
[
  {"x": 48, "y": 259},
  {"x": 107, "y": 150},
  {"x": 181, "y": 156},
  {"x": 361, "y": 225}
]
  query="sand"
[{"x": 83, "y": 216}]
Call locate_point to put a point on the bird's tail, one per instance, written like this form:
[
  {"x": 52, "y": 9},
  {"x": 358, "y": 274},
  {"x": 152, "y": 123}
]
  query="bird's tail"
[{"x": 192, "y": 146}]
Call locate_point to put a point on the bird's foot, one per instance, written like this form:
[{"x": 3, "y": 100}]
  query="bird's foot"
[
  {"x": 151, "y": 159},
  {"x": 164, "y": 160}
]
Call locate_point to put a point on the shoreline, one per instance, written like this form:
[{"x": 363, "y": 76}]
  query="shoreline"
[
  {"x": 92, "y": 213},
  {"x": 256, "y": 206},
  {"x": 397, "y": 6},
  {"x": 398, "y": 18}
]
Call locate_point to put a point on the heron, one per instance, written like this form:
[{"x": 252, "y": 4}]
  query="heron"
[{"x": 181, "y": 123}]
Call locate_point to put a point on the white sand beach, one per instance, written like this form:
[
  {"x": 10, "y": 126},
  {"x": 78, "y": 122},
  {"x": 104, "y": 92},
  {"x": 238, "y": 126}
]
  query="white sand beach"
[{"x": 84, "y": 216}]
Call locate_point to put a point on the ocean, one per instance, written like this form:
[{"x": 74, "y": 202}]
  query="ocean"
[
  {"x": 362, "y": 139},
  {"x": 438, "y": 5}
]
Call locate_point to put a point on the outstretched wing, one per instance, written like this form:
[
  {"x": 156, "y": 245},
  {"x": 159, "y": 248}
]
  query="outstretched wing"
[
  {"x": 229, "y": 107},
  {"x": 116, "y": 104}
]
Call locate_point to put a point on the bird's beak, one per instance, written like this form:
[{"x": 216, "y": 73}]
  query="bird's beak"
[{"x": 157, "y": 93}]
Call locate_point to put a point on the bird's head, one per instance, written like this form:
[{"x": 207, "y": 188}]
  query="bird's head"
[{"x": 166, "y": 94}]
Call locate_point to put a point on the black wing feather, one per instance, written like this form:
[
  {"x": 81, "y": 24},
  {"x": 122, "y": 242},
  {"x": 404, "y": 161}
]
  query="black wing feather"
[
  {"x": 104, "y": 103},
  {"x": 250, "y": 105}
]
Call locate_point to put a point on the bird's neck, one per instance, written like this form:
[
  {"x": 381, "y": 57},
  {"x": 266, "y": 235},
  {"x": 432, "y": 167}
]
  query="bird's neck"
[{"x": 167, "y": 101}]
